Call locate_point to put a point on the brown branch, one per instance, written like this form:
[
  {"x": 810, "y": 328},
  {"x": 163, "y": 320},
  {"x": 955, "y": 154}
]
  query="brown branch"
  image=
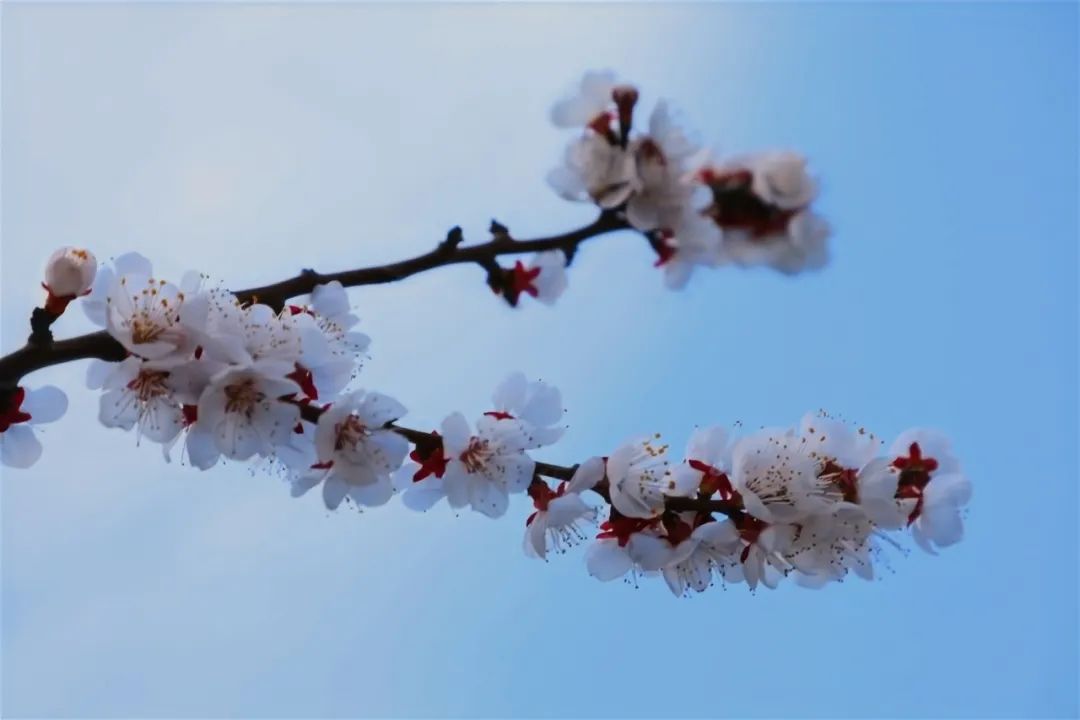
[{"x": 38, "y": 354}]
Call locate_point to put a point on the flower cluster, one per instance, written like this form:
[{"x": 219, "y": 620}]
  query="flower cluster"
[
  {"x": 195, "y": 366},
  {"x": 696, "y": 211},
  {"x": 229, "y": 380},
  {"x": 813, "y": 501}
]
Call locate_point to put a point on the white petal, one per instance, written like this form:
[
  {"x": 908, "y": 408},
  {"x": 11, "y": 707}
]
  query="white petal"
[
  {"x": 334, "y": 491},
  {"x": 509, "y": 396},
  {"x": 544, "y": 406},
  {"x": 118, "y": 408},
  {"x": 303, "y": 483},
  {"x": 423, "y": 495},
  {"x": 607, "y": 561},
  {"x": 201, "y": 449},
  {"x": 649, "y": 551},
  {"x": 566, "y": 509},
  {"x": 518, "y": 472},
  {"x": 18, "y": 447},
  {"x": 330, "y": 300},
  {"x": 96, "y": 372},
  {"x": 536, "y": 536},
  {"x": 45, "y": 404},
  {"x": 487, "y": 497},
  {"x": 587, "y": 475},
  {"x": 374, "y": 494},
  {"x": 455, "y": 433},
  {"x": 133, "y": 263},
  {"x": 377, "y": 409}
]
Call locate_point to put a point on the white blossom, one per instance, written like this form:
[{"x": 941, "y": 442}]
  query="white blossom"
[
  {"x": 356, "y": 453},
  {"x": 483, "y": 469},
  {"x": 639, "y": 478},
  {"x": 698, "y": 553},
  {"x": 561, "y": 514},
  {"x": 242, "y": 410}
]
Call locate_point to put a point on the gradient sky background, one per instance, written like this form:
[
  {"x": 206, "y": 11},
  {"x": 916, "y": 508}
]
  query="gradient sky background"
[{"x": 250, "y": 141}]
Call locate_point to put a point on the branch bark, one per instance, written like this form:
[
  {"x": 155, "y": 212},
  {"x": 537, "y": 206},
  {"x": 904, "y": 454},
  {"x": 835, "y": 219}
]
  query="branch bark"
[{"x": 37, "y": 354}]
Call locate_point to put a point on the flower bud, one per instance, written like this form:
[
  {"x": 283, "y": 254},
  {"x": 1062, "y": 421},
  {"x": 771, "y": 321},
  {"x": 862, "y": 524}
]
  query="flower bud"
[
  {"x": 781, "y": 179},
  {"x": 69, "y": 273}
]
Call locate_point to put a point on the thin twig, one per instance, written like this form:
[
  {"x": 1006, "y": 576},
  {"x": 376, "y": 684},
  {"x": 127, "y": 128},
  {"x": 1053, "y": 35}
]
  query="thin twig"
[{"x": 36, "y": 354}]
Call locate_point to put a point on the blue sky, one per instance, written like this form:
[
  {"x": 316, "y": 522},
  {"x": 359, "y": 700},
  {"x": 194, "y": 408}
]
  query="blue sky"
[{"x": 250, "y": 141}]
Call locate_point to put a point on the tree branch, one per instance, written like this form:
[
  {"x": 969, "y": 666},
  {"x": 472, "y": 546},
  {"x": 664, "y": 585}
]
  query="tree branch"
[
  {"x": 311, "y": 413},
  {"x": 38, "y": 353}
]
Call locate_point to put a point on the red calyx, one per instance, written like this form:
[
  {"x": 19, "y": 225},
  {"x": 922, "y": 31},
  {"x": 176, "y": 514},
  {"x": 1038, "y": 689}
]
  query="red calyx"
[
  {"x": 914, "y": 469},
  {"x": 714, "y": 481},
  {"x": 750, "y": 528},
  {"x": 298, "y": 310},
  {"x": 12, "y": 414},
  {"x": 736, "y": 207},
  {"x": 302, "y": 377},
  {"x": 431, "y": 458},
  {"x": 621, "y": 527},
  {"x": 499, "y": 415},
  {"x": 521, "y": 280},
  {"x": 601, "y": 125},
  {"x": 663, "y": 244}
]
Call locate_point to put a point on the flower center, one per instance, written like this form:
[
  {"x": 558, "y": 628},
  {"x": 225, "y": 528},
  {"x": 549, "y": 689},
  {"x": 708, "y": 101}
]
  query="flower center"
[
  {"x": 243, "y": 397},
  {"x": 845, "y": 479},
  {"x": 149, "y": 384},
  {"x": 349, "y": 432},
  {"x": 476, "y": 455},
  {"x": 145, "y": 330}
]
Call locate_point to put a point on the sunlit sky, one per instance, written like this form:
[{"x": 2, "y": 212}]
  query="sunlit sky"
[{"x": 248, "y": 141}]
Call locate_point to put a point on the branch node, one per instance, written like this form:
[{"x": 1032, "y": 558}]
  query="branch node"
[
  {"x": 40, "y": 322},
  {"x": 453, "y": 238}
]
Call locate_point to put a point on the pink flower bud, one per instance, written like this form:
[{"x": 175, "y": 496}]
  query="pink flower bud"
[{"x": 69, "y": 273}]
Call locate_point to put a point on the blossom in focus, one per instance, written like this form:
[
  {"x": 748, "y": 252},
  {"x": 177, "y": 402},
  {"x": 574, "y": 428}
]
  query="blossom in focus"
[
  {"x": 21, "y": 410},
  {"x": 639, "y": 479},
  {"x": 329, "y": 346},
  {"x": 356, "y": 453},
  {"x": 243, "y": 412},
  {"x": 149, "y": 318},
  {"x": 484, "y": 468}
]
